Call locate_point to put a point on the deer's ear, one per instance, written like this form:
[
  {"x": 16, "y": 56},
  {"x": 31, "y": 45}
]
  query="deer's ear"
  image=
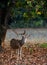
[{"x": 29, "y": 35}]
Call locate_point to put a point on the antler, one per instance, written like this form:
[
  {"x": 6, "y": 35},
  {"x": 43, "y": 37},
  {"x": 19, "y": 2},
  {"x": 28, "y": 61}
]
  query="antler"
[
  {"x": 15, "y": 32},
  {"x": 22, "y": 33}
]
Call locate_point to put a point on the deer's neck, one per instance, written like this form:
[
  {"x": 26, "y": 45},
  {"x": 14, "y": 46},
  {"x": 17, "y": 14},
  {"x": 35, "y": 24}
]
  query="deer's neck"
[{"x": 24, "y": 40}]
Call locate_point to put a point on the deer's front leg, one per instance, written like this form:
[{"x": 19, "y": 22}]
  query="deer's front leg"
[{"x": 19, "y": 54}]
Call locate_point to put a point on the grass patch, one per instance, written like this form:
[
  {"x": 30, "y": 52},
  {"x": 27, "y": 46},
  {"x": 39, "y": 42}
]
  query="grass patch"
[
  {"x": 44, "y": 45},
  {"x": 31, "y": 50}
]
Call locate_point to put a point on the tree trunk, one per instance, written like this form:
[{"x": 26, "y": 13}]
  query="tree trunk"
[
  {"x": 4, "y": 18},
  {"x": 3, "y": 29},
  {"x": 3, "y": 25}
]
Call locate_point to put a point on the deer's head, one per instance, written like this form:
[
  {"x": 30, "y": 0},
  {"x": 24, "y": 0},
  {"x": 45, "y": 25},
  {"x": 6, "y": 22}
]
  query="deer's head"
[{"x": 24, "y": 35}]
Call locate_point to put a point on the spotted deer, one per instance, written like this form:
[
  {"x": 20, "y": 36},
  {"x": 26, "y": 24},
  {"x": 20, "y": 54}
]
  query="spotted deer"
[{"x": 17, "y": 44}]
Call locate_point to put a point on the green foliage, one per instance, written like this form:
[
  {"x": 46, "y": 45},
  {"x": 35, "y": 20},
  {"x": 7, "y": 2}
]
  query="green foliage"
[
  {"x": 29, "y": 13},
  {"x": 44, "y": 45},
  {"x": 31, "y": 50}
]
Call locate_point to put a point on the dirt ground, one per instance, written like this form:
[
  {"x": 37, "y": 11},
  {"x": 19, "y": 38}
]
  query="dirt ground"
[{"x": 31, "y": 55}]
